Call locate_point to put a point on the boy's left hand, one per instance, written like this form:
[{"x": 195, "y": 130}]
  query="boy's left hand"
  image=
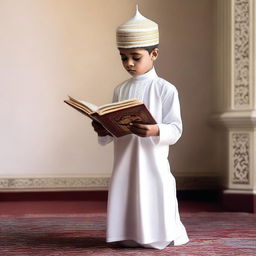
[{"x": 144, "y": 130}]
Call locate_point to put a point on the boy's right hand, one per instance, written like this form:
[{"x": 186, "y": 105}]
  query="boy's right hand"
[{"x": 100, "y": 129}]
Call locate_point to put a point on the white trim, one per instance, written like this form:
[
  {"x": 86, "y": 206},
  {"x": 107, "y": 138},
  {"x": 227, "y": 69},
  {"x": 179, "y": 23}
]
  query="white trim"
[
  {"x": 238, "y": 119},
  {"x": 239, "y": 191}
]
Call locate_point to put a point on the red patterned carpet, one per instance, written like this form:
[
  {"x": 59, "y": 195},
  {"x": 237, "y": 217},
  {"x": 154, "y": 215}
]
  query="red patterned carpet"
[{"x": 211, "y": 233}]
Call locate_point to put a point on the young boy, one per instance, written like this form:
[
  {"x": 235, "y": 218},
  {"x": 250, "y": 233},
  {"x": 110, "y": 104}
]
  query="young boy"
[{"x": 142, "y": 204}]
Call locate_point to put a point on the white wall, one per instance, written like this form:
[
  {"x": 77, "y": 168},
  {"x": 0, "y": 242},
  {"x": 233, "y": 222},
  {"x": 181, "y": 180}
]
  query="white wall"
[{"x": 51, "y": 48}]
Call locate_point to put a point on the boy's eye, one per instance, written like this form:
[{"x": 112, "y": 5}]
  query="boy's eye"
[{"x": 135, "y": 58}]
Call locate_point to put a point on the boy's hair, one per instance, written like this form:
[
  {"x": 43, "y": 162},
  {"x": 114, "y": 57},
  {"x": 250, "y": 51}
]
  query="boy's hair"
[
  {"x": 147, "y": 48},
  {"x": 150, "y": 48}
]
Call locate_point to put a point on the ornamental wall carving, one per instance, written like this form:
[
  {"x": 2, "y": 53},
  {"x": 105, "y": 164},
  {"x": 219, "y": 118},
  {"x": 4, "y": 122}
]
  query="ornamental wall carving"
[
  {"x": 241, "y": 53},
  {"x": 54, "y": 183},
  {"x": 240, "y": 143}
]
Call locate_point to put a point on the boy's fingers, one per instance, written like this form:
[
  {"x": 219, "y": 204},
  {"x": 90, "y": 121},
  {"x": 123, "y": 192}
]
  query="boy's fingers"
[
  {"x": 98, "y": 127},
  {"x": 138, "y": 131},
  {"x": 140, "y": 126},
  {"x": 96, "y": 124}
]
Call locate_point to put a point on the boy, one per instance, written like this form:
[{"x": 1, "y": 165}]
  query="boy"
[{"x": 142, "y": 204}]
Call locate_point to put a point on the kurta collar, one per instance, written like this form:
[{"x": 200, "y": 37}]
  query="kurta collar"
[{"x": 149, "y": 75}]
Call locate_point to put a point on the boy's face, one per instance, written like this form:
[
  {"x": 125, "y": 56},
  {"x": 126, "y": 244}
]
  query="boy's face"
[{"x": 137, "y": 61}]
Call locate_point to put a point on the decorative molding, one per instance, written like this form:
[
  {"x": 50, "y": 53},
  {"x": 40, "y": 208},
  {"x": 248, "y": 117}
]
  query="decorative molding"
[
  {"x": 54, "y": 183},
  {"x": 239, "y": 191},
  {"x": 241, "y": 54},
  {"x": 240, "y": 158},
  {"x": 238, "y": 119},
  {"x": 185, "y": 181}
]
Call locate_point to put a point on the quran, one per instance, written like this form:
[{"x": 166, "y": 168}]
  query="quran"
[{"x": 115, "y": 117}]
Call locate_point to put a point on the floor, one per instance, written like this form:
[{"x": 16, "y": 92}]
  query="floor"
[{"x": 77, "y": 228}]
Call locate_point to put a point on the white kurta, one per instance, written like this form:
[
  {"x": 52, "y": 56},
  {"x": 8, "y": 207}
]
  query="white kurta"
[{"x": 142, "y": 204}]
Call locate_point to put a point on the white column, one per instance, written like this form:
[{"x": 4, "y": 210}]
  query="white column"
[{"x": 236, "y": 92}]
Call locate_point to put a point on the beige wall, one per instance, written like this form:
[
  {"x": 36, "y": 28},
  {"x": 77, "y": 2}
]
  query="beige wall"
[{"x": 51, "y": 48}]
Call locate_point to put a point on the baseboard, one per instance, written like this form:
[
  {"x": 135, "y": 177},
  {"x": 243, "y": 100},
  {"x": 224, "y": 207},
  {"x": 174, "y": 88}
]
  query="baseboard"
[
  {"x": 55, "y": 196},
  {"x": 205, "y": 195},
  {"x": 244, "y": 202},
  {"x": 182, "y": 195},
  {"x": 239, "y": 201},
  {"x": 196, "y": 181}
]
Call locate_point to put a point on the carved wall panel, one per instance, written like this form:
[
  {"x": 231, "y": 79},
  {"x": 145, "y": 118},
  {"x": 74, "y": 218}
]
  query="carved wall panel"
[
  {"x": 241, "y": 54},
  {"x": 54, "y": 183},
  {"x": 240, "y": 158}
]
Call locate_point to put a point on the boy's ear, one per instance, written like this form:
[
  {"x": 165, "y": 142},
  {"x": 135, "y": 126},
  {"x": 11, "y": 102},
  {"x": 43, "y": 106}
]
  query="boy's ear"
[{"x": 154, "y": 54}]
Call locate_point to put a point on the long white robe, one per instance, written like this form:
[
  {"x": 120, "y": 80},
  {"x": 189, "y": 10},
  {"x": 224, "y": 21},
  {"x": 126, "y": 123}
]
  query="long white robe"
[{"x": 142, "y": 204}]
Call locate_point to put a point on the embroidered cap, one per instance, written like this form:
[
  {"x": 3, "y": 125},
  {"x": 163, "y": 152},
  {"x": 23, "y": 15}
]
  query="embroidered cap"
[{"x": 137, "y": 32}]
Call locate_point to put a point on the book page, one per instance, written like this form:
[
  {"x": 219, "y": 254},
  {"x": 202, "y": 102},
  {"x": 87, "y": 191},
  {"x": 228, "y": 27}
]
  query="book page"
[
  {"x": 117, "y": 105},
  {"x": 89, "y": 106}
]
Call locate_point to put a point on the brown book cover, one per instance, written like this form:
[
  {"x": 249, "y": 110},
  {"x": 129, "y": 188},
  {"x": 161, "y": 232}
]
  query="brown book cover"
[{"x": 115, "y": 117}]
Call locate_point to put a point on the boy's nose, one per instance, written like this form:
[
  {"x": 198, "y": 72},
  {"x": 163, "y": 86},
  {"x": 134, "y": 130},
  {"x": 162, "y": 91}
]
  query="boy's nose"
[{"x": 130, "y": 63}]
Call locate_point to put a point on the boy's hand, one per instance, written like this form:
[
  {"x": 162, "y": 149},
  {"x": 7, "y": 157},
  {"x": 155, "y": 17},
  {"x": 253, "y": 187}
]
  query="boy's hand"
[
  {"x": 100, "y": 129},
  {"x": 144, "y": 130}
]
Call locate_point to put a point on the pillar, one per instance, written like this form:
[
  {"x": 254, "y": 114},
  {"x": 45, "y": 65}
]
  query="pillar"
[{"x": 236, "y": 99}]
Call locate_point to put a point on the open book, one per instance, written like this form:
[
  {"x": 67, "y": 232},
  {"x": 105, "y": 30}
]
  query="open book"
[{"x": 115, "y": 117}]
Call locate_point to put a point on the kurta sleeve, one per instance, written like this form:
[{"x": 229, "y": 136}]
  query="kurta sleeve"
[
  {"x": 171, "y": 126},
  {"x": 104, "y": 140}
]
